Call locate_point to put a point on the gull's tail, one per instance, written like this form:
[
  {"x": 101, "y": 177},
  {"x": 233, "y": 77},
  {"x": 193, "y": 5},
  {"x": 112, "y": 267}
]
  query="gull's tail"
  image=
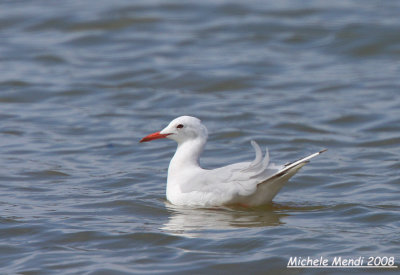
[{"x": 268, "y": 189}]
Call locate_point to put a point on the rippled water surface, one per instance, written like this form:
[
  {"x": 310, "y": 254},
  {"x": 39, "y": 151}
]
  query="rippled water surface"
[{"x": 82, "y": 81}]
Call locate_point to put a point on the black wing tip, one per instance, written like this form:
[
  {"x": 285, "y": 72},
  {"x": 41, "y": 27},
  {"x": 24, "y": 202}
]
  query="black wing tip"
[{"x": 320, "y": 152}]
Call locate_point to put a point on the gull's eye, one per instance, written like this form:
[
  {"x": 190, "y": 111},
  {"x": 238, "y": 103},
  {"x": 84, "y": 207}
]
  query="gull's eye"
[{"x": 179, "y": 126}]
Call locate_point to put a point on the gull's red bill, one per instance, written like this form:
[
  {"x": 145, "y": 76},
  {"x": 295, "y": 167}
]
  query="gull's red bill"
[{"x": 153, "y": 136}]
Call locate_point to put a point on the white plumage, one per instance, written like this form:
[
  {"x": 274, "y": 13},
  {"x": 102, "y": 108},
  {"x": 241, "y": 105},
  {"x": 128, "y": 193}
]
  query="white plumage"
[{"x": 246, "y": 183}]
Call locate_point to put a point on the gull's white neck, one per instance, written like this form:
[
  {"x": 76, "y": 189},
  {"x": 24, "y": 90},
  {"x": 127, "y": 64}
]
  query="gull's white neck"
[
  {"x": 183, "y": 166},
  {"x": 187, "y": 155}
]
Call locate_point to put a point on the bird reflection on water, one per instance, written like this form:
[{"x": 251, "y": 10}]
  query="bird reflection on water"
[{"x": 200, "y": 222}]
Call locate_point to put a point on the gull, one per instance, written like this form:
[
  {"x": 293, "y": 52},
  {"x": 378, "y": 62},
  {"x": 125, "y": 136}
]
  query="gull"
[{"x": 247, "y": 184}]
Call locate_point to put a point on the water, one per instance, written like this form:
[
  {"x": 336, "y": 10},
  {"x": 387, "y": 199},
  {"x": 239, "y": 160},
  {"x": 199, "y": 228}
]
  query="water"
[{"x": 82, "y": 81}]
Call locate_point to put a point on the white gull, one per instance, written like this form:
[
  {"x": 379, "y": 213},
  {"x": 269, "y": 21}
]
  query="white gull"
[{"x": 246, "y": 183}]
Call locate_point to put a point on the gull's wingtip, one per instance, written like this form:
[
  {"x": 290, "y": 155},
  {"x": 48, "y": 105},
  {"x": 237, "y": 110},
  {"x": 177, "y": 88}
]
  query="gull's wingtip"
[{"x": 306, "y": 159}]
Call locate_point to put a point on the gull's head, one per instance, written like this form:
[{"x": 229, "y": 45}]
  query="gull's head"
[{"x": 181, "y": 129}]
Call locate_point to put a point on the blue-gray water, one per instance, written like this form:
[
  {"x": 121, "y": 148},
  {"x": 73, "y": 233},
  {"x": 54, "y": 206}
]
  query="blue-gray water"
[{"x": 82, "y": 81}]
